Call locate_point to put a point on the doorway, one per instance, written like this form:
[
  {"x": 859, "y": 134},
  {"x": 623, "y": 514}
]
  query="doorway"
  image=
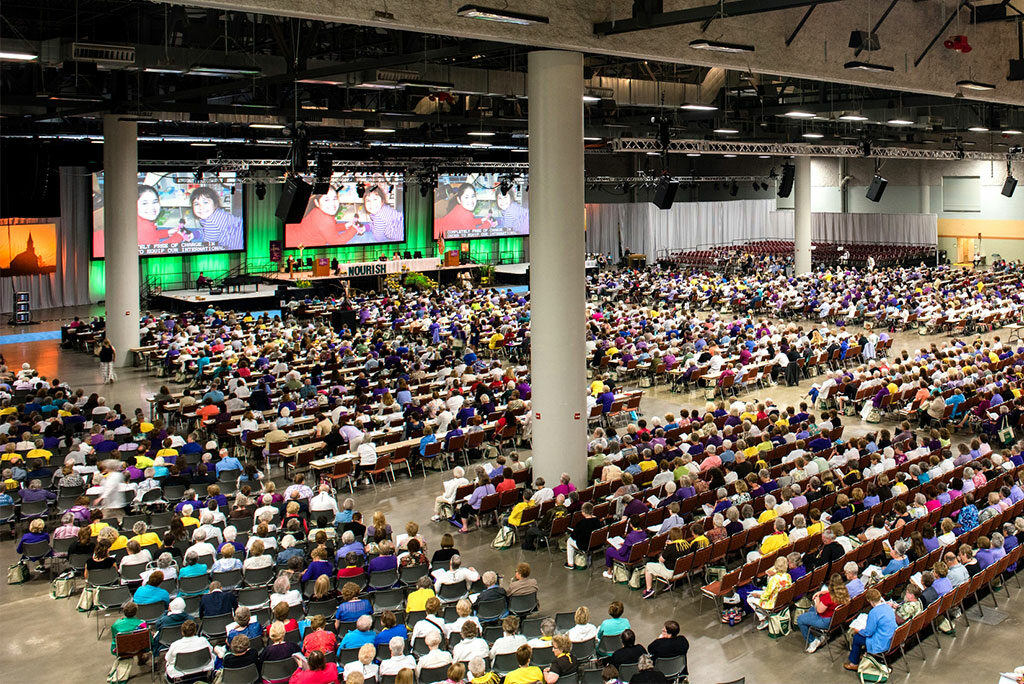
[{"x": 964, "y": 250}]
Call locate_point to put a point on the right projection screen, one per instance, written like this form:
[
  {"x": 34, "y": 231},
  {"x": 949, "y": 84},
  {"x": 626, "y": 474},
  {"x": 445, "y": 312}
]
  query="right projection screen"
[{"x": 480, "y": 205}]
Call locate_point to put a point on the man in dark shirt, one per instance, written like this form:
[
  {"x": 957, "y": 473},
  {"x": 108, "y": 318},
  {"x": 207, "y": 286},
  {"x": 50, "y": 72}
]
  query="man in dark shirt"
[
  {"x": 646, "y": 674},
  {"x": 217, "y": 601},
  {"x": 579, "y": 537},
  {"x": 630, "y": 651},
  {"x": 492, "y": 590},
  {"x": 671, "y": 644},
  {"x": 241, "y": 654}
]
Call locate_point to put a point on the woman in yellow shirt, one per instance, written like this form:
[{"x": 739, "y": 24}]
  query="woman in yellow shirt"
[{"x": 763, "y": 602}]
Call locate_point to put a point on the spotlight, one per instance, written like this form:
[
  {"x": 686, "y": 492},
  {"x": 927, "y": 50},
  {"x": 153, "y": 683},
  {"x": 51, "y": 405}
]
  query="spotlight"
[
  {"x": 504, "y": 186},
  {"x": 734, "y": 189},
  {"x": 198, "y": 176},
  {"x": 764, "y": 186},
  {"x": 261, "y": 191},
  {"x": 424, "y": 188},
  {"x": 360, "y": 190},
  {"x": 755, "y": 186}
]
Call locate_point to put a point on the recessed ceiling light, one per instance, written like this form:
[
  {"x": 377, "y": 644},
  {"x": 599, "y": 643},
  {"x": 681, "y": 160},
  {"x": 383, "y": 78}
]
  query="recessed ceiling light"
[
  {"x": 481, "y": 134},
  {"x": 1010, "y": 131},
  {"x": 812, "y": 134},
  {"x": 502, "y": 16},
  {"x": 697, "y": 107},
  {"x": 978, "y": 129},
  {"x": 852, "y": 116},
  {"x": 900, "y": 122},
  {"x": 18, "y": 56},
  {"x": 974, "y": 85},
  {"x": 726, "y": 131},
  {"x": 868, "y": 66},
  {"x": 378, "y": 129},
  {"x": 719, "y": 46},
  {"x": 276, "y": 127},
  {"x": 799, "y": 114}
]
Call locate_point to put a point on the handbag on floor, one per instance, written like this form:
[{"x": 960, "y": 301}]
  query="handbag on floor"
[
  {"x": 63, "y": 586},
  {"x": 872, "y": 671},
  {"x": 17, "y": 573},
  {"x": 778, "y": 625},
  {"x": 505, "y": 538},
  {"x": 87, "y": 599}
]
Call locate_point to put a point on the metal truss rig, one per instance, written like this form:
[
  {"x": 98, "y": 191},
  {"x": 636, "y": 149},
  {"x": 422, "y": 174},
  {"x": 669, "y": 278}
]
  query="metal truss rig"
[
  {"x": 803, "y": 149},
  {"x": 247, "y": 164},
  {"x": 644, "y": 181}
]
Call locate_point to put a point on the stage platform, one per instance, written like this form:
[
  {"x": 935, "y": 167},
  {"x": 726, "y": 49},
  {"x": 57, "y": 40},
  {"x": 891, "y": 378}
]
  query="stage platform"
[
  {"x": 246, "y": 298},
  {"x": 364, "y": 276}
]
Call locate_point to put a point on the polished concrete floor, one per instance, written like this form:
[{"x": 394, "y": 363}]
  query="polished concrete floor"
[{"x": 44, "y": 639}]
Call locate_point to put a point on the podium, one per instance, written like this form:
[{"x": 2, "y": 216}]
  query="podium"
[
  {"x": 321, "y": 268},
  {"x": 451, "y": 257}
]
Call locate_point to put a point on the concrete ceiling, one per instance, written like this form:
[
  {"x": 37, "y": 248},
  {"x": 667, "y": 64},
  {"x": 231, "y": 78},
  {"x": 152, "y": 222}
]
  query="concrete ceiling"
[{"x": 819, "y": 50}]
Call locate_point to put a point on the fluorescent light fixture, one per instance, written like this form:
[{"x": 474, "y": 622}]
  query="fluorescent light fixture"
[
  {"x": 378, "y": 129},
  {"x": 718, "y": 46},
  {"x": 693, "y": 154},
  {"x": 974, "y": 85},
  {"x": 17, "y": 56},
  {"x": 74, "y": 98},
  {"x": 799, "y": 114},
  {"x": 1010, "y": 131},
  {"x": 591, "y": 138},
  {"x": 852, "y": 116},
  {"x": 273, "y": 126},
  {"x": 764, "y": 156},
  {"x": 869, "y": 66},
  {"x": 479, "y": 144},
  {"x": 653, "y": 154},
  {"x": 591, "y": 98},
  {"x": 502, "y": 16},
  {"x": 729, "y": 156},
  {"x": 978, "y": 129},
  {"x": 164, "y": 70},
  {"x": 223, "y": 70},
  {"x": 900, "y": 122},
  {"x": 814, "y": 135},
  {"x": 202, "y": 144},
  {"x": 726, "y": 131},
  {"x": 697, "y": 107},
  {"x": 417, "y": 83},
  {"x": 481, "y": 134}
]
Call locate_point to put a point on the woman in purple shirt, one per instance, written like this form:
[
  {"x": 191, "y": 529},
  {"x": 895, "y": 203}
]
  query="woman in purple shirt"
[
  {"x": 621, "y": 554},
  {"x": 472, "y": 506}
]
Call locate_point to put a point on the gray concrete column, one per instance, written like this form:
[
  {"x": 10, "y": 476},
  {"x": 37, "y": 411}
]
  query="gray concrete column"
[
  {"x": 802, "y": 216},
  {"x": 120, "y": 233},
  {"x": 557, "y": 293}
]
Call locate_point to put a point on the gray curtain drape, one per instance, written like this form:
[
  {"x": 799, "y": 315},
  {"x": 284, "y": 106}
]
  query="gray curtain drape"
[
  {"x": 69, "y": 284},
  {"x": 888, "y": 229}
]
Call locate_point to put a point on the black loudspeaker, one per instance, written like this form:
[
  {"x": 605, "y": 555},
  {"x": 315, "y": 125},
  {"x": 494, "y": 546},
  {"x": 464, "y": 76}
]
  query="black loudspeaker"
[
  {"x": 344, "y": 319},
  {"x": 292, "y": 205},
  {"x": 665, "y": 193},
  {"x": 1009, "y": 185},
  {"x": 786, "y": 184},
  {"x": 876, "y": 188},
  {"x": 1016, "y": 70}
]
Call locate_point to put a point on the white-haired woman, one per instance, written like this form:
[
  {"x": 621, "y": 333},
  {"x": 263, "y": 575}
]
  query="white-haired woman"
[{"x": 444, "y": 504}]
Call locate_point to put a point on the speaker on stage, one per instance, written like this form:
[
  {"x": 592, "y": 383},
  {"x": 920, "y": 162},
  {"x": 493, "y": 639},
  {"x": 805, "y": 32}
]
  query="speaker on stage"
[
  {"x": 876, "y": 188},
  {"x": 294, "y": 198},
  {"x": 786, "y": 184},
  {"x": 344, "y": 319},
  {"x": 665, "y": 193}
]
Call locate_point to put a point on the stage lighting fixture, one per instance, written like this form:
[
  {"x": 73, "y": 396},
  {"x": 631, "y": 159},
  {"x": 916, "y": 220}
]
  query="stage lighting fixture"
[
  {"x": 764, "y": 186},
  {"x": 261, "y": 191},
  {"x": 198, "y": 176},
  {"x": 755, "y": 186},
  {"x": 734, "y": 189},
  {"x": 360, "y": 190},
  {"x": 424, "y": 189}
]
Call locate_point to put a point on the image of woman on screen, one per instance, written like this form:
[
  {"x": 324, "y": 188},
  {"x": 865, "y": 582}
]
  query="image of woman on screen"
[
  {"x": 148, "y": 207},
  {"x": 460, "y": 215},
  {"x": 515, "y": 218},
  {"x": 320, "y": 225},
  {"x": 216, "y": 225},
  {"x": 386, "y": 224}
]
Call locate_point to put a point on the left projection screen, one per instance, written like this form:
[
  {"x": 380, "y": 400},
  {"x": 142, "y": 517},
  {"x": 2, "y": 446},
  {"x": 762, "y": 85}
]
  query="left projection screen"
[{"x": 177, "y": 214}]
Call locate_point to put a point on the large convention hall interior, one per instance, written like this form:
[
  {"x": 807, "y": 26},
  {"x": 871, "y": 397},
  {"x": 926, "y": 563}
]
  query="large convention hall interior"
[{"x": 619, "y": 341}]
